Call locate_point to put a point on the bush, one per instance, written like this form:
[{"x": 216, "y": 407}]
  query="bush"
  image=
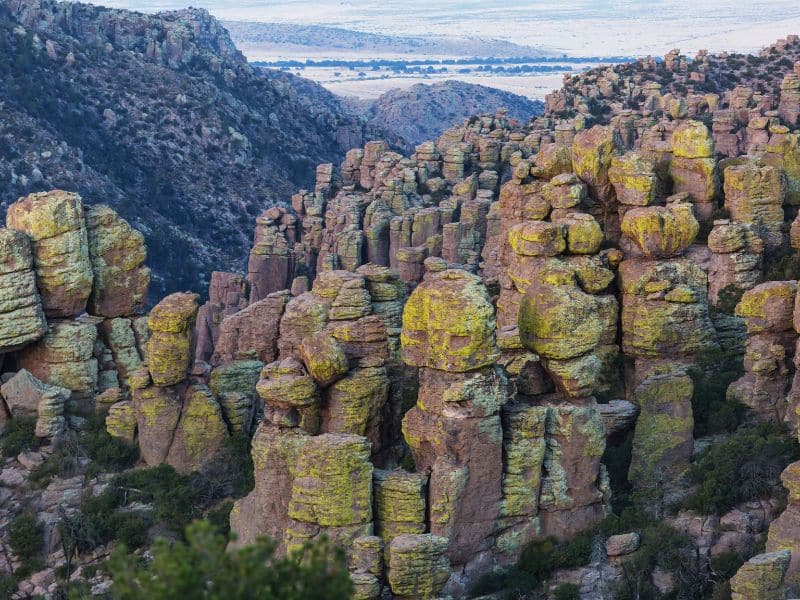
[
  {"x": 201, "y": 568},
  {"x": 230, "y": 473},
  {"x": 26, "y": 536},
  {"x": 781, "y": 266},
  {"x": 711, "y": 375},
  {"x": 567, "y": 591},
  {"x": 746, "y": 466},
  {"x": 107, "y": 452},
  {"x": 19, "y": 436},
  {"x": 62, "y": 462}
]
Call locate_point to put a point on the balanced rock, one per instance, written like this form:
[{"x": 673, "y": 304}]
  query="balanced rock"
[
  {"x": 26, "y": 396},
  {"x": 417, "y": 566},
  {"x": 169, "y": 348},
  {"x": 661, "y": 232}
]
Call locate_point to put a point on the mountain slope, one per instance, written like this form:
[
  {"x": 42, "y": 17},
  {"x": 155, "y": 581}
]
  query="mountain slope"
[
  {"x": 161, "y": 117},
  {"x": 422, "y": 112}
]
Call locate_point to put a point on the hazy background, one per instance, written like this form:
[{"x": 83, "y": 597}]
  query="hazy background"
[{"x": 577, "y": 28}]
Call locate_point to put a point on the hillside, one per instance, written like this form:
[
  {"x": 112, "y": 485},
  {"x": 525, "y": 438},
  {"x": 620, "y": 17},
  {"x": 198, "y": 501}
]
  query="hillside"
[
  {"x": 161, "y": 117},
  {"x": 422, "y": 112}
]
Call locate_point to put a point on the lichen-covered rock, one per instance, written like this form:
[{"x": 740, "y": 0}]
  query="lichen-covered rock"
[
  {"x": 324, "y": 358},
  {"x": 784, "y": 532},
  {"x": 286, "y": 383},
  {"x": 306, "y": 487},
  {"x": 537, "y": 238},
  {"x": 227, "y": 295},
  {"x": 158, "y": 410},
  {"x": 583, "y": 233},
  {"x": 592, "y": 152},
  {"x": 117, "y": 253},
  {"x": 761, "y": 577},
  {"x": 169, "y": 349},
  {"x": 768, "y": 307},
  {"x": 354, "y": 403},
  {"x": 661, "y": 232},
  {"x": 417, "y": 566},
  {"x": 121, "y": 421},
  {"x": 572, "y": 495},
  {"x": 65, "y": 358},
  {"x": 692, "y": 139},
  {"x": 559, "y": 321},
  {"x": 399, "y": 503},
  {"x": 234, "y": 386},
  {"x": 622, "y": 544},
  {"x": 200, "y": 432},
  {"x": 634, "y": 178},
  {"x": 120, "y": 338},
  {"x": 21, "y": 318},
  {"x": 252, "y": 329},
  {"x": 755, "y": 195},
  {"x": 524, "y": 445},
  {"x": 663, "y": 440},
  {"x": 736, "y": 252},
  {"x": 449, "y": 324},
  {"x": 664, "y": 308},
  {"x": 618, "y": 416},
  {"x": 26, "y": 396},
  {"x": 55, "y": 223}
]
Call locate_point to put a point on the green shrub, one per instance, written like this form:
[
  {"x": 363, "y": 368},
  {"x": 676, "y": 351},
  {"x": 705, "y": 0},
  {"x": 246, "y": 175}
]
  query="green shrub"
[
  {"x": 746, "y": 466},
  {"x": 728, "y": 297},
  {"x": 781, "y": 266},
  {"x": 219, "y": 517},
  {"x": 19, "y": 436},
  {"x": 107, "y": 452},
  {"x": 711, "y": 375},
  {"x": 567, "y": 591},
  {"x": 229, "y": 473},
  {"x": 62, "y": 462},
  {"x": 202, "y": 568},
  {"x": 26, "y": 536}
]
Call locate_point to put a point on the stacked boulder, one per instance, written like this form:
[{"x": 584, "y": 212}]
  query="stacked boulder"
[
  {"x": 178, "y": 422},
  {"x": 784, "y": 532},
  {"x": 768, "y": 313},
  {"x": 755, "y": 195},
  {"x": 693, "y": 168},
  {"x": 665, "y": 324},
  {"x": 454, "y": 430}
]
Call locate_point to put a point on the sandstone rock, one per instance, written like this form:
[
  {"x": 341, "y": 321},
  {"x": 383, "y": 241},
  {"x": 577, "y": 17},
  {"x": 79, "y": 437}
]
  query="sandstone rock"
[
  {"x": 26, "y": 396},
  {"x": 417, "y": 566},
  {"x": 21, "y": 317},
  {"x": 255, "y": 328},
  {"x": 199, "y": 433},
  {"x": 117, "y": 253},
  {"x": 169, "y": 348},
  {"x": 158, "y": 411},
  {"x": 761, "y": 577},
  {"x": 692, "y": 139},
  {"x": 538, "y": 238},
  {"x": 618, "y": 416},
  {"x": 768, "y": 307},
  {"x": 660, "y": 232},
  {"x": 583, "y": 233},
  {"x": 622, "y": 544},
  {"x": 64, "y": 358},
  {"x": 448, "y": 324},
  {"x": 234, "y": 387},
  {"x": 227, "y": 295},
  {"x": 55, "y": 223},
  {"x": 399, "y": 503},
  {"x": 120, "y": 337},
  {"x": 121, "y": 421},
  {"x": 634, "y": 178}
]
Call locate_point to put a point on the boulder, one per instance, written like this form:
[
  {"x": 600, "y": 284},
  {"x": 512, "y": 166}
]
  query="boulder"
[
  {"x": 117, "y": 253},
  {"x": 169, "y": 349},
  {"x": 55, "y": 223},
  {"x": 21, "y": 318},
  {"x": 417, "y": 566}
]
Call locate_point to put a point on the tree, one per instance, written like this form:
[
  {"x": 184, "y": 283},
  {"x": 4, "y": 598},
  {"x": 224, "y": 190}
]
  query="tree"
[{"x": 203, "y": 569}]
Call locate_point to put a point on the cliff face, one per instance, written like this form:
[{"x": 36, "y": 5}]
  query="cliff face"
[{"x": 160, "y": 117}]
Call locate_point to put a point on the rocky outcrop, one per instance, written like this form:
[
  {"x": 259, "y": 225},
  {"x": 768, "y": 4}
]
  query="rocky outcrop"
[
  {"x": 693, "y": 169},
  {"x": 26, "y": 396},
  {"x": 21, "y": 318},
  {"x": 784, "y": 532},
  {"x": 761, "y": 577},
  {"x": 55, "y": 223},
  {"x": 169, "y": 348},
  {"x": 755, "y": 195},
  {"x": 117, "y": 253},
  {"x": 768, "y": 313}
]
